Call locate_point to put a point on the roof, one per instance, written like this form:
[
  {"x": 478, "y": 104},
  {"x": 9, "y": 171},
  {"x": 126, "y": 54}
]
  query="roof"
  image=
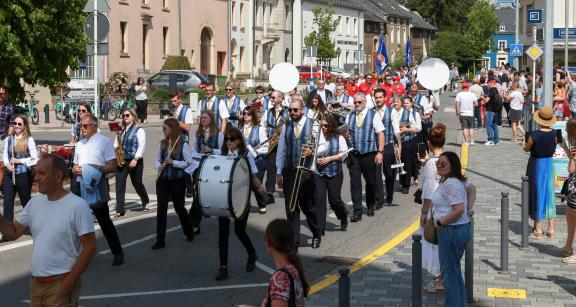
[
  {"x": 419, "y": 22},
  {"x": 391, "y": 7},
  {"x": 507, "y": 17},
  {"x": 372, "y": 12},
  {"x": 340, "y": 3}
]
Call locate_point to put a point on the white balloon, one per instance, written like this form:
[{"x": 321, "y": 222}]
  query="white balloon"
[
  {"x": 433, "y": 74},
  {"x": 284, "y": 77}
]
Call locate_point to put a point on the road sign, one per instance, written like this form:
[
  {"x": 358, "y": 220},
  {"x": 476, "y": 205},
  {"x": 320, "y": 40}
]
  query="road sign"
[
  {"x": 103, "y": 27},
  {"x": 85, "y": 94},
  {"x": 103, "y": 49},
  {"x": 560, "y": 33},
  {"x": 101, "y": 5},
  {"x": 535, "y": 16},
  {"x": 516, "y": 50},
  {"x": 534, "y": 52},
  {"x": 311, "y": 51}
]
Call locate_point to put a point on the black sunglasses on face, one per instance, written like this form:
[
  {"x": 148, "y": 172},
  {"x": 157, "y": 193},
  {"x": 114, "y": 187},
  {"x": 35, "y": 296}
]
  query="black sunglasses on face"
[
  {"x": 85, "y": 126},
  {"x": 358, "y": 102},
  {"x": 294, "y": 110},
  {"x": 259, "y": 93},
  {"x": 17, "y": 124},
  {"x": 247, "y": 113},
  {"x": 231, "y": 139},
  {"x": 126, "y": 115},
  {"x": 229, "y": 89},
  {"x": 82, "y": 110}
]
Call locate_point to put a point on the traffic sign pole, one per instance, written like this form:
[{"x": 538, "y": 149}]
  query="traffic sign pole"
[
  {"x": 549, "y": 52},
  {"x": 95, "y": 57},
  {"x": 533, "y": 73}
]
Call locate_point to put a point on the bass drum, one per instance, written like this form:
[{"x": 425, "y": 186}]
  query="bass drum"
[{"x": 224, "y": 186}]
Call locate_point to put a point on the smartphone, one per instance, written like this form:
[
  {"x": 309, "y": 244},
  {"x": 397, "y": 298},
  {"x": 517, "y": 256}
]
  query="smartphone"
[
  {"x": 114, "y": 126},
  {"x": 559, "y": 138},
  {"x": 421, "y": 149}
]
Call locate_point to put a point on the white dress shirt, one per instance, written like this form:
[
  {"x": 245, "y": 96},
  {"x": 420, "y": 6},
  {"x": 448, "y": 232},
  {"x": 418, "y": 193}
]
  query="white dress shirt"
[
  {"x": 96, "y": 150},
  {"x": 249, "y": 157},
  {"x": 413, "y": 117},
  {"x": 215, "y": 151},
  {"x": 230, "y": 101},
  {"x": 188, "y": 119},
  {"x": 349, "y": 104},
  {"x": 281, "y": 152},
  {"x": 342, "y": 147},
  {"x": 395, "y": 125},
  {"x": 141, "y": 137},
  {"x": 183, "y": 164},
  {"x": 264, "y": 119},
  {"x": 376, "y": 121},
  {"x": 261, "y": 148},
  {"x": 31, "y": 148},
  {"x": 222, "y": 108}
]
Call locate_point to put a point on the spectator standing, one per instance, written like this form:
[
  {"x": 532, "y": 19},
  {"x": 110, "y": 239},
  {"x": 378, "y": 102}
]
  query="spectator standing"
[
  {"x": 493, "y": 107},
  {"x": 571, "y": 96},
  {"x": 6, "y": 118},
  {"x": 567, "y": 251},
  {"x": 465, "y": 103},
  {"x": 517, "y": 103},
  {"x": 63, "y": 236},
  {"x": 542, "y": 144},
  {"x": 478, "y": 91},
  {"x": 141, "y": 100}
]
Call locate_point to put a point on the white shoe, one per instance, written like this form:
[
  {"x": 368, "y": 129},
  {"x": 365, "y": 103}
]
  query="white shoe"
[
  {"x": 489, "y": 143},
  {"x": 471, "y": 143},
  {"x": 465, "y": 143}
]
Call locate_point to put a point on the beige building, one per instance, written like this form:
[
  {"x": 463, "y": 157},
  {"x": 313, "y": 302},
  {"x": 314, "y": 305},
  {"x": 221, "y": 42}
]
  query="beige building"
[{"x": 144, "y": 32}]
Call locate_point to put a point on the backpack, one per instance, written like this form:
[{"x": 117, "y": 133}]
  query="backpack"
[{"x": 291, "y": 296}]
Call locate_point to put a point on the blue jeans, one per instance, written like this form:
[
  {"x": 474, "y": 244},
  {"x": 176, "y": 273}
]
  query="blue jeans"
[
  {"x": 452, "y": 241},
  {"x": 492, "y": 127}
]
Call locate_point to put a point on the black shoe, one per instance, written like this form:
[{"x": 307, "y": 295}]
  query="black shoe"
[
  {"x": 370, "y": 212},
  {"x": 405, "y": 190},
  {"x": 378, "y": 206},
  {"x": 316, "y": 242},
  {"x": 270, "y": 200},
  {"x": 356, "y": 218},
  {"x": 251, "y": 263},
  {"x": 323, "y": 232},
  {"x": 196, "y": 230},
  {"x": 190, "y": 238},
  {"x": 189, "y": 194},
  {"x": 158, "y": 245},
  {"x": 344, "y": 224},
  {"x": 222, "y": 274},
  {"x": 118, "y": 259}
]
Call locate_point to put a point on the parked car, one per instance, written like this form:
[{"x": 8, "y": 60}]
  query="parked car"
[
  {"x": 186, "y": 80},
  {"x": 339, "y": 72},
  {"x": 304, "y": 72}
]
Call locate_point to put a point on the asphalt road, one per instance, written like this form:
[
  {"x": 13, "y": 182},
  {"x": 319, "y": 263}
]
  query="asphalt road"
[{"x": 183, "y": 273}]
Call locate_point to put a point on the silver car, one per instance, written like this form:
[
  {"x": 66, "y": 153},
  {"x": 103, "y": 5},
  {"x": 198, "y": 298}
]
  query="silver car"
[
  {"x": 186, "y": 80},
  {"x": 338, "y": 72}
]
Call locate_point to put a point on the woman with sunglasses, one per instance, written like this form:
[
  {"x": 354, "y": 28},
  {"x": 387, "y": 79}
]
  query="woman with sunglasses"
[
  {"x": 235, "y": 147},
  {"x": 329, "y": 179},
  {"x": 20, "y": 154},
  {"x": 76, "y": 134},
  {"x": 208, "y": 141},
  {"x": 132, "y": 138},
  {"x": 255, "y": 137},
  {"x": 141, "y": 99},
  {"x": 171, "y": 160},
  {"x": 261, "y": 102},
  {"x": 235, "y": 106}
]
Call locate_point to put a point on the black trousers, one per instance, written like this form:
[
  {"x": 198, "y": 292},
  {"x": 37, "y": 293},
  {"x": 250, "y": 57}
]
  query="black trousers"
[
  {"x": 331, "y": 186},
  {"x": 305, "y": 202},
  {"x": 389, "y": 174},
  {"x": 271, "y": 172},
  {"x": 424, "y": 133},
  {"x": 362, "y": 165},
  {"x": 507, "y": 108},
  {"x": 409, "y": 157},
  {"x": 142, "y": 109},
  {"x": 195, "y": 213},
  {"x": 261, "y": 164},
  {"x": 175, "y": 190},
  {"x": 24, "y": 189},
  {"x": 224, "y": 233},
  {"x": 136, "y": 178}
]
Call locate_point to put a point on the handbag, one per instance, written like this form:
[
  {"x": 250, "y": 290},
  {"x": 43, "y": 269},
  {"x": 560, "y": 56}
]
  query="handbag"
[
  {"x": 430, "y": 234},
  {"x": 417, "y": 196}
]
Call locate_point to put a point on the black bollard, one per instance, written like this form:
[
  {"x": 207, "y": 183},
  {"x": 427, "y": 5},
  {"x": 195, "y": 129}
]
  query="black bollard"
[
  {"x": 161, "y": 108},
  {"x": 344, "y": 287},
  {"x": 525, "y": 205},
  {"x": 504, "y": 233},
  {"x": 469, "y": 265},
  {"x": 416, "y": 270},
  {"x": 46, "y": 114}
]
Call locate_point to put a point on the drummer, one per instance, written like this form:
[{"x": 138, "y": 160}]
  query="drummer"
[
  {"x": 207, "y": 141},
  {"x": 234, "y": 147}
]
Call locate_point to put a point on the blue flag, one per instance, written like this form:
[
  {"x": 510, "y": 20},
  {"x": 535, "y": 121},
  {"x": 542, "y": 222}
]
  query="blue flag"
[
  {"x": 408, "y": 57},
  {"x": 382, "y": 58}
]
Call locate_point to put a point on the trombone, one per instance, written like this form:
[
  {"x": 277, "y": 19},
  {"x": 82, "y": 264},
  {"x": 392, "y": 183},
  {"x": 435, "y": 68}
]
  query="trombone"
[
  {"x": 399, "y": 163},
  {"x": 313, "y": 141}
]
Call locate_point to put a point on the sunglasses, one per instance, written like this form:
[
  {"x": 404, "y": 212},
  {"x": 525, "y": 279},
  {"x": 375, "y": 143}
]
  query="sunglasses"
[
  {"x": 229, "y": 89},
  {"x": 82, "y": 110},
  {"x": 126, "y": 115},
  {"x": 259, "y": 93},
  {"x": 247, "y": 113},
  {"x": 85, "y": 126},
  {"x": 17, "y": 124},
  {"x": 293, "y": 110},
  {"x": 358, "y": 102},
  {"x": 175, "y": 100},
  {"x": 324, "y": 125},
  {"x": 231, "y": 139}
]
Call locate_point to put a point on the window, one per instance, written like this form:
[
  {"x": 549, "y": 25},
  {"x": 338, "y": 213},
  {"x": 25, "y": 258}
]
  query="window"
[
  {"x": 242, "y": 60},
  {"x": 502, "y": 28},
  {"x": 234, "y": 19},
  {"x": 271, "y": 16},
  {"x": 242, "y": 15},
  {"x": 355, "y": 26},
  {"x": 340, "y": 25},
  {"x": 347, "y": 25},
  {"x": 502, "y": 45},
  {"x": 264, "y": 20},
  {"x": 392, "y": 34},
  {"x": 123, "y": 37},
  {"x": 165, "y": 41},
  {"x": 165, "y": 3},
  {"x": 347, "y": 56}
]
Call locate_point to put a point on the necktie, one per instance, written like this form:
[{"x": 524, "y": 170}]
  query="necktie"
[
  {"x": 230, "y": 103},
  {"x": 246, "y": 132},
  {"x": 210, "y": 104},
  {"x": 276, "y": 114},
  {"x": 297, "y": 130},
  {"x": 359, "y": 120}
]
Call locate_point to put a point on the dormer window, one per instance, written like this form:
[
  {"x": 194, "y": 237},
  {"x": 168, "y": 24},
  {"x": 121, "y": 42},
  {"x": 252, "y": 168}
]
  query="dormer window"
[{"x": 502, "y": 28}]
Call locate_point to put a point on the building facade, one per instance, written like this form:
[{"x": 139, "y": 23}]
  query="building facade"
[{"x": 501, "y": 41}]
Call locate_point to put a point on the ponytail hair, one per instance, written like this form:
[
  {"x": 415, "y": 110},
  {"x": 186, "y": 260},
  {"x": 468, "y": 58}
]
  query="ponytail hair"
[{"x": 280, "y": 236}]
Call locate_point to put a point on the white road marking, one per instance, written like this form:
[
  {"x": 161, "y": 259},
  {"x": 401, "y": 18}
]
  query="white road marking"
[
  {"x": 265, "y": 268},
  {"x": 129, "y": 294},
  {"x": 146, "y": 238},
  {"x": 449, "y": 110}
]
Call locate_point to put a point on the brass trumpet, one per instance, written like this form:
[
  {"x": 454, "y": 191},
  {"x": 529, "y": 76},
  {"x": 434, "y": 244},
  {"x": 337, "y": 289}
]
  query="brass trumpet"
[{"x": 399, "y": 163}]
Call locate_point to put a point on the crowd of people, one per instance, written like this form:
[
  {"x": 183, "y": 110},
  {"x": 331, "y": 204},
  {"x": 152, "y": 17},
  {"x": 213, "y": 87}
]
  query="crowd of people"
[{"x": 380, "y": 126}]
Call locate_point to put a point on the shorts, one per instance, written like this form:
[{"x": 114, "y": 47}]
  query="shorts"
[
  {"x": 515, "y": 115},
  {"x": 467, "y": 122}
]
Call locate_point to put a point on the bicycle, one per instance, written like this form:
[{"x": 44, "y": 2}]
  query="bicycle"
[
  {"x": 116, "y": 107},
  {"x": 29, "y": 108}
]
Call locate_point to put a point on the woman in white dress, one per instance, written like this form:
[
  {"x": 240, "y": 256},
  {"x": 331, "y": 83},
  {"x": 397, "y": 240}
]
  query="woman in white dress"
[{"x": 430, "y": 260}]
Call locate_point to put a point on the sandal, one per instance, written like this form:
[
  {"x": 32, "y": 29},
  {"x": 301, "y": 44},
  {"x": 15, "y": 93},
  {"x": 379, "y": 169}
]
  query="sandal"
[
  {"x": 565, "y": 252},
  {"x": 117, "y": 215},
  {"x": 536, "y": 234},
  {"x": 432, "y": 288},
  {"x": 570, "y": 260},
  {"x": 550, "y": 234},
  {"x": 145, "y": 208}
]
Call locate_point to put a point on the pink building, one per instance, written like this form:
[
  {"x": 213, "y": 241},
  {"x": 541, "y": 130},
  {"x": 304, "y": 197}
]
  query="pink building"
[{"x": 144, "y": 32}]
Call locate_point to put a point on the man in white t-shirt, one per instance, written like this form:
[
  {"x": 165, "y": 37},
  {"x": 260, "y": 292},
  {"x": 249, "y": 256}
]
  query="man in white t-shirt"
[
  {"x": 63, "y": 234},
  {"x": 465, "y": 102}
]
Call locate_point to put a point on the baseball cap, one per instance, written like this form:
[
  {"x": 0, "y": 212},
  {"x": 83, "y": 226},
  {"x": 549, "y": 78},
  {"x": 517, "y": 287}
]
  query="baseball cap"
[
  {"x": 492, "y": 81},
  {"x": 396, "y": 78},
  {"x": 465, "y": 85}
]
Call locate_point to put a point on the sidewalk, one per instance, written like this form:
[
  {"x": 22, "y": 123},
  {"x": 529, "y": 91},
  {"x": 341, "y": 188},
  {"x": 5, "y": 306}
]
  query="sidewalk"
[{"x": 538, "y": 270}]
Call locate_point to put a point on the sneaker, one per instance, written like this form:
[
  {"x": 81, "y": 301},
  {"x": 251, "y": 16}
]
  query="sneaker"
[
  {"x": 465, "y": 143},
  {"x": 472, "y": 143},
  {"x": 489, "y": 143}
]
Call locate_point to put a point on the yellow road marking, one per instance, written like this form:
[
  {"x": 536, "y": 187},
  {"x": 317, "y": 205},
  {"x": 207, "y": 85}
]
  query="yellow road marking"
[
  {"x": 381, "y": 251},
  {"x": 464, "y": 158},
  {"x": 506, "y": 293}
]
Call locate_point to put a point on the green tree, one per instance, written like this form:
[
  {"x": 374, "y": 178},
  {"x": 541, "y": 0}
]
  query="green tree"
[
  {"x": 446, "y": 15},
  {"x": 40, "y": 40},
  {"x": 451, "y": 47},
  {"x": 482, "y": 24},
  {"x": 320, "y": 38}
]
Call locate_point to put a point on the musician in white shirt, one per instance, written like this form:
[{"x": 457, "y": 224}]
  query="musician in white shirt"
[{"x": 410, "y": 125}]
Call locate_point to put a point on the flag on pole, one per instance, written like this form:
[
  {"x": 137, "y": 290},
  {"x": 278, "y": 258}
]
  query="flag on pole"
[
  {"x": 408, "y": 57},
  {"x": 382, "y": 58}
]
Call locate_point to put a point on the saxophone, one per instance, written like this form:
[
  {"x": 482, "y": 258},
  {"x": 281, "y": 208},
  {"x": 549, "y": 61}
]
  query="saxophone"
[
  {"x": 119, "y": 151},
  {"x": 275, "y": 135}
]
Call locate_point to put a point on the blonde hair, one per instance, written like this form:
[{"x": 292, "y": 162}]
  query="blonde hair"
[
  {"x": 133, "y": 113},
  {"x": 21, "y": 144}
]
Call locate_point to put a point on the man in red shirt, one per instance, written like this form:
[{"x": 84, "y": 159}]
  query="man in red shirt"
[
  {"x": 387, "y": 86},
  {"x": 368, "y": 84},
  {"x": 351, "y": 88},
  {"x": 398, "y": 87}
]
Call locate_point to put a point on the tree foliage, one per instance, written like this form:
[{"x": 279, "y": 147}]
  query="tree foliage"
[
  {"x": 446, "y": 15},
  {"x": 40, "y": 40},
  {"x": 320, "y": 38}
]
